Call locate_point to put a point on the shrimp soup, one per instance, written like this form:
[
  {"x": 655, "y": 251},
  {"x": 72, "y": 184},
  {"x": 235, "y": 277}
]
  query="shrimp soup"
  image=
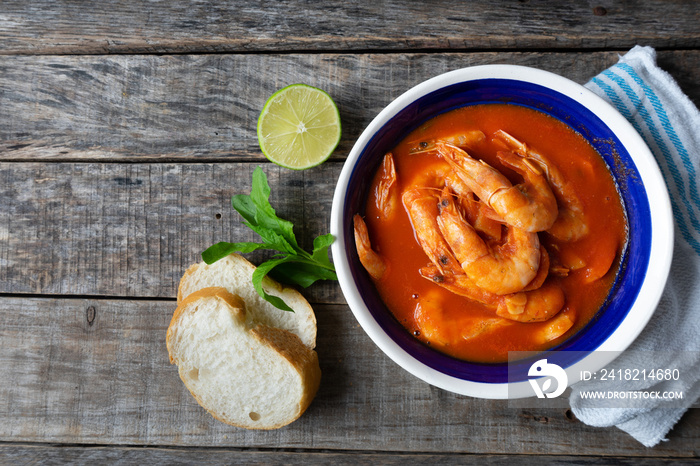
[{"x": 492, "y": 228}]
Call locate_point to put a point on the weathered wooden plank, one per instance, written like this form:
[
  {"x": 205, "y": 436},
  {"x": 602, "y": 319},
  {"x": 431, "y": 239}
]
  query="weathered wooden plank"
[
  {"x": 68, "y": 27},
  {"x": 126, "y": 108},
  {"x": 48, "y": 455},
  {"x": 86, "y": 371},
  {"x": 132, "y": 229}
]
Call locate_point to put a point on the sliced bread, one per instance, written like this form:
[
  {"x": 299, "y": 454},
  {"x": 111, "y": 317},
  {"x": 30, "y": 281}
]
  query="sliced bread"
[
  {"x": 234, "y": 273},
  {"x": 256, "y": 377}
]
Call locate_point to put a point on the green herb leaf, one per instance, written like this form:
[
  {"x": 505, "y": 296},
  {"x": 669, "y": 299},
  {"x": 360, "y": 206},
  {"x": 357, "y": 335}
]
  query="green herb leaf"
[
  {"x": 320, "y": 253},
  {"x": 303, "y": 274},
  {"x": 265, "y": 215},
  {"x": 259, "y": 274},
  {"x": 222, "y": 249},
  {"x": 292, "y": 265},
  {"x": 244, "y": 205}
]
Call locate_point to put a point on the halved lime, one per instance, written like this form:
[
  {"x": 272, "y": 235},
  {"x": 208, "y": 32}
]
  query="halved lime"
[{"x": 299, "y": 127}]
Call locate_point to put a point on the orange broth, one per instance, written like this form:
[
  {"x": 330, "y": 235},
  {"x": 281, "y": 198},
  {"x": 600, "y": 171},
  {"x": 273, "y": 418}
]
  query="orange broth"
[{"x": 401, "y": 286}]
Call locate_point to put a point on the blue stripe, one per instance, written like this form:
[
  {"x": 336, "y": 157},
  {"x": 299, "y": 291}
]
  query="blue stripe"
[
  {"x": 644, "y": 113},
  {"x": 670, "y": 132},
  {"x": 675, "y": 174}
]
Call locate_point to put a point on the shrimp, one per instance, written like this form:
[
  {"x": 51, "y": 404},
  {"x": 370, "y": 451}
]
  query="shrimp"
[
  {"x": 437, "y": 175},
  {"x": 460, "y": 284},
  {"x": 386, "y": 193},
  {"x": 434, "y": 326},
  {"x": 570, "y": 224},
  {"x": 421, "y": 205},
  {"x": 535, "y": 188},
  {"x": 466, "y": 139},
  {"x": 536, "y": 305},
  {"x": 370, "y": 260},
  {"x": 462, "y": 139},
  {"x": 481, "y": 217},
  {"x": 601, "y": 259},
  {"x": 542, "y": 271},
  {"x": 500, "y": 269},
  {"x": 521, "y": 206},
  {"x": 556, "y": 327}
]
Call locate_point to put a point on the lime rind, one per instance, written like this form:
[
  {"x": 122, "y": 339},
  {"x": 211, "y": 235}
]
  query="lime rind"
[{"x": 299, "y": 127}]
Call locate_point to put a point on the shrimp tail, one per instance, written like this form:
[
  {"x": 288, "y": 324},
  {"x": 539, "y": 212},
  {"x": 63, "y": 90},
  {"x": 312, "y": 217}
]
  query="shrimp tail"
[
  {"x": 387, "y": 196},
  {"x": 459, "y": 284},
  {"x": 370, "y": 260}
]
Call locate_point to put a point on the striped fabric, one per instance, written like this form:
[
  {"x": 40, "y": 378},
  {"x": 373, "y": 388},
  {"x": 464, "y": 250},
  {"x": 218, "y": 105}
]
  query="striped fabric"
[
  {"x": 650, "y": 113},
  {"x": 670, "y": 125}
]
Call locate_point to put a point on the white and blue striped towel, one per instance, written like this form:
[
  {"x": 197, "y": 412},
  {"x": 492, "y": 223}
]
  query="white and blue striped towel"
[{"x": 670, "y": 125}]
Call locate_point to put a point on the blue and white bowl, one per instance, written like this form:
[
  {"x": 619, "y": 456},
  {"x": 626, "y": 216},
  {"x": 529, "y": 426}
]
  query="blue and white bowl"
[{"x": 638, "y": 286}]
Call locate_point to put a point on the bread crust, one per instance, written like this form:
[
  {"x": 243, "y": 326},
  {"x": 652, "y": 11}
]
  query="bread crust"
[
  {"x": 299, "y": 355},
  {"x": 285, "y": 344}
]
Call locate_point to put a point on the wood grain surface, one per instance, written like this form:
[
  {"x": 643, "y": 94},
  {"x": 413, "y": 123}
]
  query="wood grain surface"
[
  {"x": 96, "y": 371},
  {"x": 118, "y": 26},
  {"x": 166, "y": 108},
  {"x": 131, "y": 230},
  {"x": 125, "y": 128},
  {"x": 43, "y": 454}
]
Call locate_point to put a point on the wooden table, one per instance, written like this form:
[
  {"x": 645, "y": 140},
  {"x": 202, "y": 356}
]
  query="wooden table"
[{"x": 126, "y": 126}]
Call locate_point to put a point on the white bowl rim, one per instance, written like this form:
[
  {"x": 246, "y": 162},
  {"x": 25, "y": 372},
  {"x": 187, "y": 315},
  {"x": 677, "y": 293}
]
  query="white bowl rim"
[{"x": 651, "y": 178}]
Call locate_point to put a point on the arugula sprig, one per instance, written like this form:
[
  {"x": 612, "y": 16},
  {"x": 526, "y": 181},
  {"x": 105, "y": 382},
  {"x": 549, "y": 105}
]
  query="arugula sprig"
[{"x": 291, "y": 265}]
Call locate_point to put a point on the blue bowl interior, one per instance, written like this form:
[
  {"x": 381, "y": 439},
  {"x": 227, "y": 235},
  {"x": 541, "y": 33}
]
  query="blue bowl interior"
[{"x": 635, "y": 257}]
